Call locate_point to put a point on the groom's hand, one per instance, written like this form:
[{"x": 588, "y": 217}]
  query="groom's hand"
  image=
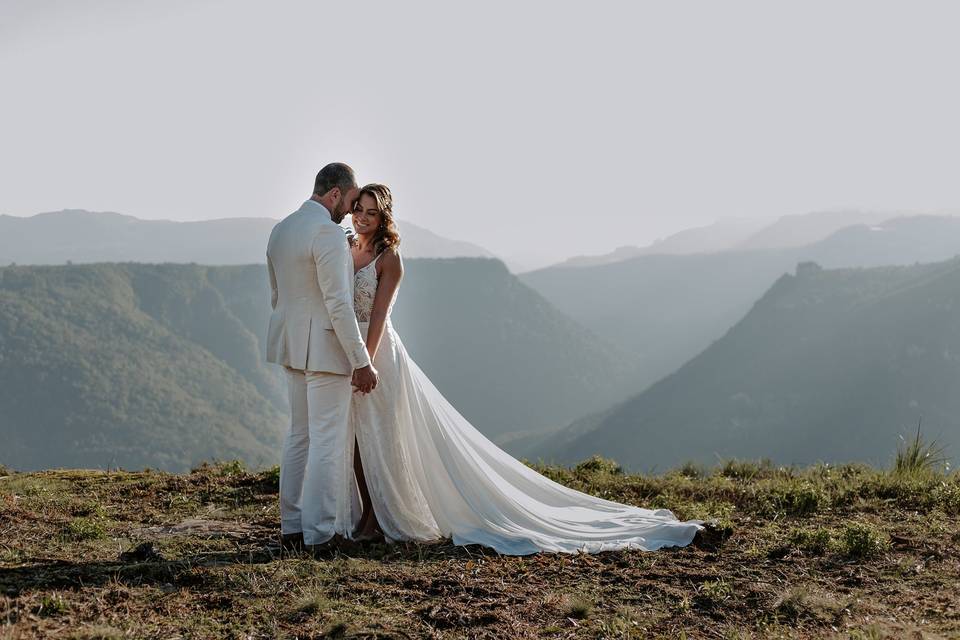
[{"x": 365, "y": 379}]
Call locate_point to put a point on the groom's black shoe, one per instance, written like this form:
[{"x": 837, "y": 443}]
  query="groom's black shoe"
[{"x": 292, "y": 542}]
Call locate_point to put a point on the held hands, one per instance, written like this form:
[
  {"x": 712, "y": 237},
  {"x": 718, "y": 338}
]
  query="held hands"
[{"x": 365, "y": 379}]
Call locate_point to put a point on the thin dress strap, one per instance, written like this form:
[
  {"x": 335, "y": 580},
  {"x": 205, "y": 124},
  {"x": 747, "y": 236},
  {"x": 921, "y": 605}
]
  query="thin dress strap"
[{"x": 370, "y": 264}]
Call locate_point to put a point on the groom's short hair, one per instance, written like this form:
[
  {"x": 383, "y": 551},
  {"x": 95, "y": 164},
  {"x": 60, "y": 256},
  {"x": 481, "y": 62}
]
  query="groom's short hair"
[{"x": 335, "y": 174}]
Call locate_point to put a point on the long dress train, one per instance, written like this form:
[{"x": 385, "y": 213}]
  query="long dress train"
[{"x": 432, "y": 475}]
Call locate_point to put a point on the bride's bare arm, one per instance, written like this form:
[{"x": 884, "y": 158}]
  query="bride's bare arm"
[{"x": 390, "y": 275}]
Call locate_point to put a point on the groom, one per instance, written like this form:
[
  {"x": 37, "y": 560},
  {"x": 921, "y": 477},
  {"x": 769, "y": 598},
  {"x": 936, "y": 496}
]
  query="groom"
[{"x": 314, "y": 334}]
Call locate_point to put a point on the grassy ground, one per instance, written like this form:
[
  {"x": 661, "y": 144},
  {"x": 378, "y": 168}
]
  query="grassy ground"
[{"x": 825, "y": 551}]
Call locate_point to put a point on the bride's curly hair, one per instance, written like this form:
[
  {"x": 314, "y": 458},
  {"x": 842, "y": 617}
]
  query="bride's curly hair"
[{"x": 387, "y": 235}]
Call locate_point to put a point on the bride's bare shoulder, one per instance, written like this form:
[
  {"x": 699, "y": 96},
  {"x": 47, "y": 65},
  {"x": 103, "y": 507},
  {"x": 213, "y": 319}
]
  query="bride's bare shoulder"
[
  {"x": 390, "y": 261},
  {"x": 392, "y": 254}
]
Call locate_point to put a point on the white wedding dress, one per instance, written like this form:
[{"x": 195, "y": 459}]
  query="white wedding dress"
[{"x": 432, "y": 475}]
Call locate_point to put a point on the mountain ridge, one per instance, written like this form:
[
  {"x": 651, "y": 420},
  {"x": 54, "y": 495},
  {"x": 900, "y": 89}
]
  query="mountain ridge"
[
  {"x": 662, "y": 310},
  {"x": 162, "y": 364},
  {"x": 744, "y": 234},
  {"x": 81, "y": 236},
  {"x": 827, "y": 365}
]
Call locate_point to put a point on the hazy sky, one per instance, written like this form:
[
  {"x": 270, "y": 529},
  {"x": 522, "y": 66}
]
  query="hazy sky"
[{"x": 548, "y": 128}]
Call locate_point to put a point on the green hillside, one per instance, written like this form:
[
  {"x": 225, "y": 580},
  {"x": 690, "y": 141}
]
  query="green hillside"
[
  {"x": 662, "y": 310},
  {"x": 128, "y": 365},
  {"x": 828, "y": 365},
  {"x": 163, "y": 365}
]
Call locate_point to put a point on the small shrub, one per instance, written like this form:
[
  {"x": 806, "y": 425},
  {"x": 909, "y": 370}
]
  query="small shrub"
[
  {"x": 853, "y": 470},
  {"x": 721, "y": 486},
  {"x": 232, "y": 468},
  {"x": 271, "y": 475},
  {"x": 203, "y": 467},
  {"x": 220, "y": 467},
  {"x": 720, "y": 514},
  {"x": 599, "y": 464},
  {"x": 663, "y": 501},
  {"x": 714, "y": 592},
  {"x": 563, "y": 475},
  {"x": 692, "y": 470},
  {"x": 85, "y": 529},
  {"x": 753, "y": 469},
  {"x": 803, "y": 499},
  {"x": 919, "y": 457},
  {"x": 909, "y": 491},
  {"x": 622, "y": 624},
  {"x": 51, "y": 605},
  {"x": 744, "y": 469},
  {"x": 88, "y": 508},
  {"x": 577, "y": 608},
  {"x": 947, "y": 497},
  {"x": 790, "y": 497},
  {"x": 863, "y": 541},
  {"x": 814, "y": 542}
]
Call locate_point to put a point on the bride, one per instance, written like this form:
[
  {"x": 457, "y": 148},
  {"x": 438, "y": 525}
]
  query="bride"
[{"x": 426, "y": 474}]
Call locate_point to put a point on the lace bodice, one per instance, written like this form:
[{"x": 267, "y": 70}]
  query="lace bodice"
[{"x": 364, "y": 289}]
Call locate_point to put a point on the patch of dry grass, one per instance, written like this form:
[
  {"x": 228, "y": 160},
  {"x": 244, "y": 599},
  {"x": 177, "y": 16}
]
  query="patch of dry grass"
[{"x": 808, "y": 551}]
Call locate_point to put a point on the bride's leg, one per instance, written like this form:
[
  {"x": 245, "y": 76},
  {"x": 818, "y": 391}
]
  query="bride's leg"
[
  {"x": 368, "y": 519},
  {"x": 364, "y": 491}
]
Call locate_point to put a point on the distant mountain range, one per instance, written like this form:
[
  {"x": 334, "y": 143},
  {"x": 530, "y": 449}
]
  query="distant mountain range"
[
  {"x": 829, "y": 365},
  {"x": 662, "y": 310},
  {"x": 163, "y": 365},
  {"x": 85, "y": 236},
  {"x": 801, "y": 229},
  {"x": 719, "y": 236},
  {"x": 739, "y": 234}
]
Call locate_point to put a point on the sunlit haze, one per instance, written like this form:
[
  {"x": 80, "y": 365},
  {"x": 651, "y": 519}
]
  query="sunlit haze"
[{"x": 538, "y": 130}]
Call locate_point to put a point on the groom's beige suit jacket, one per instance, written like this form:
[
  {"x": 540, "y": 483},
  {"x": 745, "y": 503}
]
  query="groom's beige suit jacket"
[{"x": 313, "y": 326}]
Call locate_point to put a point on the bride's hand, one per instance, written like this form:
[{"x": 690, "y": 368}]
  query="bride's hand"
[{"x": 365, "y": 379}]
